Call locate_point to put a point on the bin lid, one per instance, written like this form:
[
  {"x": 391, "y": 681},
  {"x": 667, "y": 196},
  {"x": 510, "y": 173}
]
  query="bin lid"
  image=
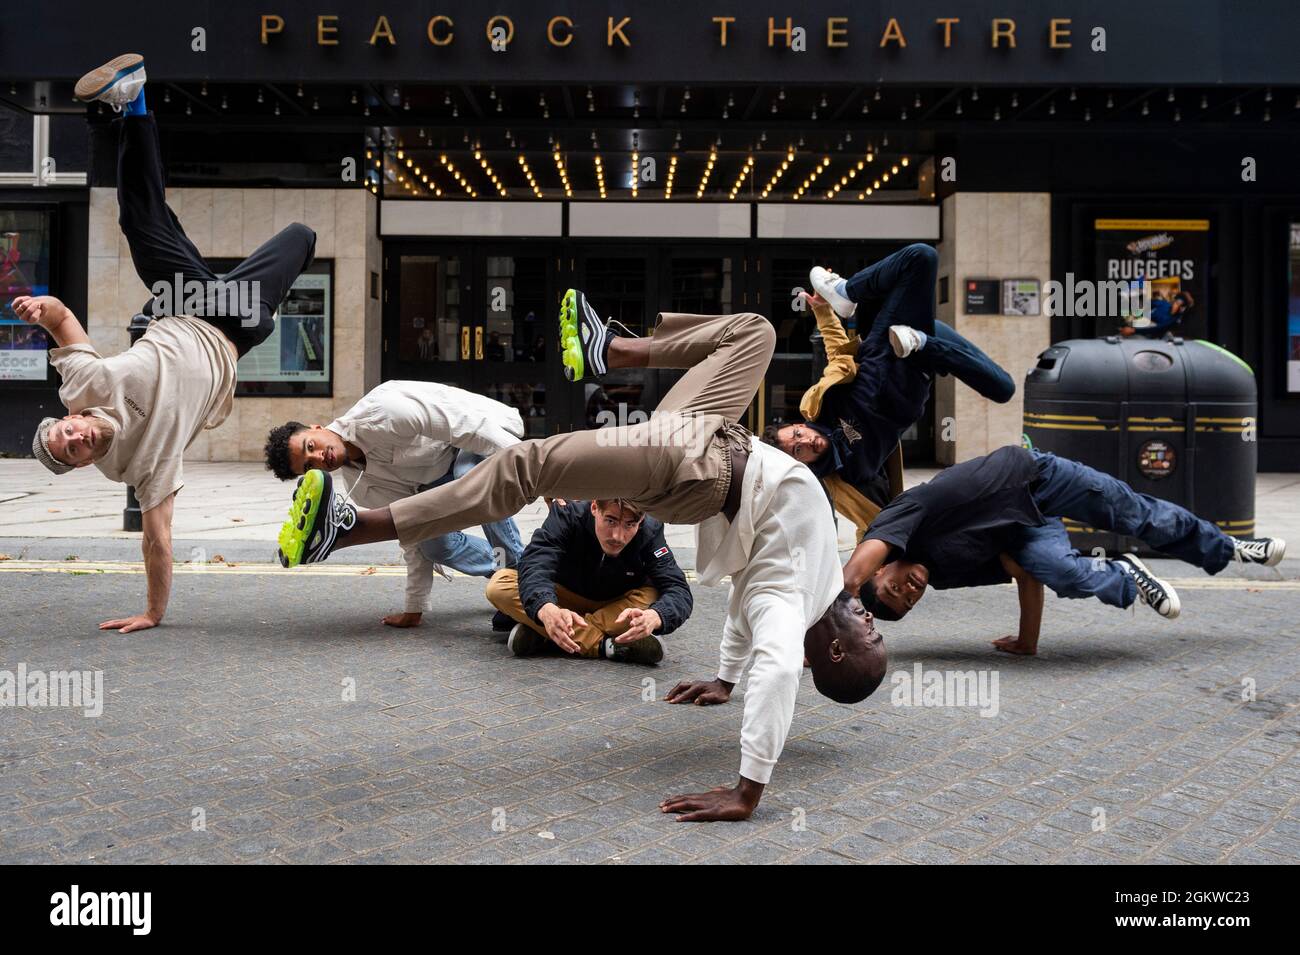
[{"x": 1118, "y": 369}]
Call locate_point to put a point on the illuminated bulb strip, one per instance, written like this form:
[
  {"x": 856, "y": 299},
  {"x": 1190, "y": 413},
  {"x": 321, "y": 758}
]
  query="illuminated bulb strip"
[
  {"x": 564, "y": 173},
  {"x": 776, "y": 176},
  {"x": 740, "y": 179},
  {"x": 672, "y": 171},
  {"x": 488, "y": 171},
  {"x": 817, "y": 171},
  {"x": 847, "y": 178},
  {"x": 708, "y": 171},
  {"x": 636, "y": 172},
  {"x": 528, "y": 174},
  {"x": 430, "y": 184},
  {"x": 600, "y": 177},
  {"x": 456, "y": 174}
]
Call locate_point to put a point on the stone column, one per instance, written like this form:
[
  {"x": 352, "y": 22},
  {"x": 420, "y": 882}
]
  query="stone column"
[{"x": 990, "y": 235}]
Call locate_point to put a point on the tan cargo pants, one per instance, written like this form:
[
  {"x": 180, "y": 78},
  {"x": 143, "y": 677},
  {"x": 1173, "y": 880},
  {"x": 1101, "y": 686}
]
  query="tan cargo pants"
[
  {"x": 676, "y": 466},
  {"x": 602, "y": 618}
]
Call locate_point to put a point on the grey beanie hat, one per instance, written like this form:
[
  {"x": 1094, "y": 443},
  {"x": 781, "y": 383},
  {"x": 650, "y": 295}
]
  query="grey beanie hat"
[{"x": 41, "y": 447}]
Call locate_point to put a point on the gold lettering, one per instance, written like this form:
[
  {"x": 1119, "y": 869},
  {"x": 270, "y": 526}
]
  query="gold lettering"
[
  {"x": 382, "y": 29},
  {"x": 271, "y": 23},
  {"x": 722, "y": 23},
  {"x": 772, "y": 31},
  {"x": 893, "y": 32},
  {"x": 496, "y": 21},
  {"x": 1004, "y": 28},
  {"x": 550, "y": 31},
  {"x": 835, "y": 31},
  {"x": 433, "y": 37},
  {"x": 1058, "y": 33},
  {"x": 616, "y": 30},
  {"x": 947, "y": 29},
  {"x": 327, "y": 31}
]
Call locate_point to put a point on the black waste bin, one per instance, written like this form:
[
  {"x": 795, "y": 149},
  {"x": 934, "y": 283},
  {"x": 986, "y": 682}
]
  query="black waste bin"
[{"x": 1174, "y": 419}]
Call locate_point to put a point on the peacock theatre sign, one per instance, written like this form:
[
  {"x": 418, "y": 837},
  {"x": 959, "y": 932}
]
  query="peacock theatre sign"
[{"x": 983, "y": 42}]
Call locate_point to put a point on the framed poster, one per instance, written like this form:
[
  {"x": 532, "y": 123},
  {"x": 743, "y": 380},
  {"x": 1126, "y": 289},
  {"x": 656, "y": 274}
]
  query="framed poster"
[
  {"x": 1020, "y": 297},
  {"x": 1165, "y": 262},
  {"x": 25, "y": 240},
  {"x": 1293, "y": 313},
  {"x": 297, "y": 360}
]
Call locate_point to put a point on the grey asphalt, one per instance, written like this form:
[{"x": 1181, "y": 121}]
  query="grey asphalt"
[{"x": 233, "y": 713}]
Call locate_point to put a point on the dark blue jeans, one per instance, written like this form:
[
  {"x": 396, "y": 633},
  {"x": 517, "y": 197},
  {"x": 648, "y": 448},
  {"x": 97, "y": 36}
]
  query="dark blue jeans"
[
  {"x": 1067, "y": 488},
  {"x": 899, "y": 290}
]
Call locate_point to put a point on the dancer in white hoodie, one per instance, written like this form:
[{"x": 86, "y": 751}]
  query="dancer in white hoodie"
[{"x": 763, "y": 520}]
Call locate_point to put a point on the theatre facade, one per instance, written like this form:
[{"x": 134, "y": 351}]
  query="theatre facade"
[{"x": 463, "y": 164}]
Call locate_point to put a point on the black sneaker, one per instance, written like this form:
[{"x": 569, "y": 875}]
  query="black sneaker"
[
  {"x": 524, "y": 641},
  {"x": 646, "y": 650},
  {"x": 584, "y": 338},
  {"x": 501, "y": 623},
  {"x": 1268, "y": 551},
  {"x": 1153, "y": 591},
  {"x": 317, "y": 517}
]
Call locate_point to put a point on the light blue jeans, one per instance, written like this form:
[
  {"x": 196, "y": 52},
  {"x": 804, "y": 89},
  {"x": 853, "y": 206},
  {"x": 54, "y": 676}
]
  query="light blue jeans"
[{"x": 473, "y": 556}]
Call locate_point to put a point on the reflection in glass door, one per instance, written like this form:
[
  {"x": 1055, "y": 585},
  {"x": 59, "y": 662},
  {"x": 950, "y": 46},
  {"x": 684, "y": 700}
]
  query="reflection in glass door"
[
  {"x": 428, "y": 312},
  {"x": 791, "y": 371},
  {"x": 618, "y": 286},
  {"x": 511, "y": 335}
]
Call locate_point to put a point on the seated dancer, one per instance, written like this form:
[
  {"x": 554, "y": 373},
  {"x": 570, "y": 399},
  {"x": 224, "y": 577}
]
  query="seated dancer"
[
  {"x": 876, "y": 387},
  {"x": 598, "y": 580},
  {"x": 998, "y": 517},
  {"x": 400, "y": 439},
  {"x": 763, "y": 520},
  {"x": 133, "y": 414}
]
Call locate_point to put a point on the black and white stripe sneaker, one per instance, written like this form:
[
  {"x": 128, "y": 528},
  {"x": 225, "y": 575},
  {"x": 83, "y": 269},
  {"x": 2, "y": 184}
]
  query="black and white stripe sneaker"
[
  {"x": 318, "y": 517},
  {"x": 649, "y": 649},
  {"x": 584, "y": 338},
  {"x": 1268, "y": 551},
  {"x": 1153, "y": 591}
]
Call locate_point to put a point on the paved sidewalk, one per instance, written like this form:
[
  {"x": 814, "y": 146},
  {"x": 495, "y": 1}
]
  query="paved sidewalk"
[
  {"x": 1129, "y": 738},
  {"x": 227, "y": 735}
]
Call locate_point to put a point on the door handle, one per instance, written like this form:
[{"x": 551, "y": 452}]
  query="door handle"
[
  {"x": 478, "y": 342},
  {"x": 464, "y": 344}
]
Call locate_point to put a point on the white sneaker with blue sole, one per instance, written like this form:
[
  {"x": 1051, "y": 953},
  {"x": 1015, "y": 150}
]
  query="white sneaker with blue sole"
[{"x": 117, "y": 83}]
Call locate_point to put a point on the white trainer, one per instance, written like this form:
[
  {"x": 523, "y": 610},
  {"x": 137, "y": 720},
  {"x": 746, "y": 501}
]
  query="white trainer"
[
  {"x": 117, "y": 83},
  {"x": 825, "y": 283},
  {"x": 905, "y": 339}
]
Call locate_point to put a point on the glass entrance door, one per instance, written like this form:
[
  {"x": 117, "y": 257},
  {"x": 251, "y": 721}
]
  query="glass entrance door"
[
  {"x": 479, "y": 318},
  {"x": 633, "y": 284}
]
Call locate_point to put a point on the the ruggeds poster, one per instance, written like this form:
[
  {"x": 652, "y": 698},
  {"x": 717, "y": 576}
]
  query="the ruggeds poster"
[{"x": 1169, "y": 259}]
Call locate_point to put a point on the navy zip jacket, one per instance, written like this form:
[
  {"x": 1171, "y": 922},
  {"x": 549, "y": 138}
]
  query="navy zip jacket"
[
  {"x": 565, "y": 551},
  {"x": 863, "y": 419}
]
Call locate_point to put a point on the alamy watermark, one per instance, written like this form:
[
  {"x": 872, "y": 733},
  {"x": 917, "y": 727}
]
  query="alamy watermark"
[
  {"x": 946, "y": 688},
  {"x": 621, "y": 428},
  {"x": 42, "y": 688},
  {"x": 1084, "y": 298},
  {"x": 209, "y": 298}
]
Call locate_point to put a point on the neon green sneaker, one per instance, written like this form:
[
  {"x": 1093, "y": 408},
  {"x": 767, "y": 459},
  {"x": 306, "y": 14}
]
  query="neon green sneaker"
[
  {"x": 584, "y": 338},
  {"x": 317, "y": 517}
]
